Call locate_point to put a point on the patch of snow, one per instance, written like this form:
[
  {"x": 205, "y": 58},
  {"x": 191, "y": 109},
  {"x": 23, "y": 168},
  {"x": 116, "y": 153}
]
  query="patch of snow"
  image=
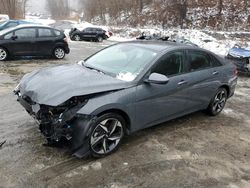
[
  {"x": 96, "y": 166},
  {"x": 127, "y": 76}
]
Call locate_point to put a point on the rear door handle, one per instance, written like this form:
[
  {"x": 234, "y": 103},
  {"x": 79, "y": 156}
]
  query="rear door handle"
[
  {"x": 182, "y": 82},
  {"x": 215, "y": 73}
]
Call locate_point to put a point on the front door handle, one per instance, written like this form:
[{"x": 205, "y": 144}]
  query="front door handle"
[
  {"x": 215, "y": 73},
  {"x": 182, "y": 82}
]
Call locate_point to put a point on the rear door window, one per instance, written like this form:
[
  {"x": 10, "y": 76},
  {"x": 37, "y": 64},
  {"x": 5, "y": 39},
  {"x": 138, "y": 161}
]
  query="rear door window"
[
  {"x": 27, "y": 33},
  {"x": 45, "y": 33},
  {"x": 198, "y": 60}
]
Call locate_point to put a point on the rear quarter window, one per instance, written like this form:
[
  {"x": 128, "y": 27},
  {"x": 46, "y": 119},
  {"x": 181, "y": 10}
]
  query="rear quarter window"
[
  {"x": 58, "y": 33},
  {"x": 215, "y": 62}
]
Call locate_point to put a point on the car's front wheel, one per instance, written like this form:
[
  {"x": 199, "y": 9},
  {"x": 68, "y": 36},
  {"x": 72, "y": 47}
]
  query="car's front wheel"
[
  {"x": 106, "y": 135},
  {"x": 77, "y": 38},
  {"x": 59, "y": 53},
  {"x": 99, "y": 39},
  {"x": 218, "y": 102},
  {"x": 3, "y": 54}
]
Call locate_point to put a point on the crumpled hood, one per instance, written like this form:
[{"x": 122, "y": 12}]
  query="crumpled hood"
[
  {"x": 239, "y": 52},
  {"x": 55, "y": 85}
]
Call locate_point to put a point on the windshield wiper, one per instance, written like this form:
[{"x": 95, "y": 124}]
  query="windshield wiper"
[{"x": 93, "y": 68}]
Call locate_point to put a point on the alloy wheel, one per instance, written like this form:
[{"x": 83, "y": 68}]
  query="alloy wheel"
[
  {"x": 99, "y": 39},
  {"x": 106, "y": 136},
  {"x": 59, "y": 53},
  {"x": 3, "y": 54},
  {"x": 219, "y": 101},
  {"x": 77, "y": 38}
]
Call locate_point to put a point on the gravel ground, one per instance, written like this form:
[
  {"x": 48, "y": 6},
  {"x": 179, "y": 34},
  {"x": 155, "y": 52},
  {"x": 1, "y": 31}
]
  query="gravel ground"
[{"x": 194, "y": 151}]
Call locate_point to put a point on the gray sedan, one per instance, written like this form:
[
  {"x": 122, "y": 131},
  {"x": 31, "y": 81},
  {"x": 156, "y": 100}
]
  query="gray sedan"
[{"x": 122, "y": 89}]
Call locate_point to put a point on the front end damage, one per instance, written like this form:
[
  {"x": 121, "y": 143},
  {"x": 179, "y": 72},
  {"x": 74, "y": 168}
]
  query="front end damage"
[{"x": 61, "y": 122}]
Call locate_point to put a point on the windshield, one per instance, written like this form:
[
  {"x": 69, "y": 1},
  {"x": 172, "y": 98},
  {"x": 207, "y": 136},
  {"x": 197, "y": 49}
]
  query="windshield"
[{"x": 122, "y": 61}]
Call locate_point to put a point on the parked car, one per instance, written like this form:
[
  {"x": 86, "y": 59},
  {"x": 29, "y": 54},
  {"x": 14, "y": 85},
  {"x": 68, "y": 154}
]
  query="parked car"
[
  {"x": 12, "y": 23},
  {"x": 122, "y": 89},
  {"x": 89, "y": 34},
  {"x": 156, "y": 37},
  {"x": 143, "y": 36},
  {"x": 33, "y": 40},
  {"x": 241, "y": 58}
]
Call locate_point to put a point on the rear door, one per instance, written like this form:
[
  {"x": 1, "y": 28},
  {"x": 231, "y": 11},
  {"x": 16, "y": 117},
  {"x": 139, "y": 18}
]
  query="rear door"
[
  {"x": 45, "y": 41},
  {"x": 157, "y": 103},
  {"x": 24, "y": 43},
  {"x": 204, "y": 78}
]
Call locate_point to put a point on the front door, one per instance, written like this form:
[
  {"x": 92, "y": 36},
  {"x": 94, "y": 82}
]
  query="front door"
[
  {"x": 157, "y": 103},
  {"x": 24, "y": 42}
]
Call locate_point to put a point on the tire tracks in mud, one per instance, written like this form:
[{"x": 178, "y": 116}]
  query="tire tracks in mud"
[{"x": 44, "y": 176}]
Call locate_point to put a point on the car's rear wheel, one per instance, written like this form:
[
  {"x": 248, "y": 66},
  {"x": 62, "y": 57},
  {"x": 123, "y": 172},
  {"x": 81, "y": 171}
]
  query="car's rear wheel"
[
  {"x": 99, "y": 39},
  {"x": 59, "y": 53},
  {"x": 3, "y": 54},
  {"x": 77, "y": 38},
  {"x": 218, "y": 102},
  {"x": 106, "y": 135}
]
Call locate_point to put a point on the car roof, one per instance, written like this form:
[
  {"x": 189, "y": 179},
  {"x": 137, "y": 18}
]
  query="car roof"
[
  {"x": 160, "y": 46},
  {"x": 24, "y": 26}
]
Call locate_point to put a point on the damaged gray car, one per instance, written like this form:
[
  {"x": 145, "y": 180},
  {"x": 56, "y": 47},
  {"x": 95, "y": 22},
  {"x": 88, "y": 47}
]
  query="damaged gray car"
[{"x": 122, "y": 89}]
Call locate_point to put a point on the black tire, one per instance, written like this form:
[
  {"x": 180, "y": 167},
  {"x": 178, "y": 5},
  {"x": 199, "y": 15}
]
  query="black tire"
[
  {"x": 99, "y": 39},
  {"x": 3, "y": 54},
  {"x": 218, "y": 102},
  {"x": 76, "y": 37},
  {"x": 105, "y": 141},
  {"x": 59, "y": 53}
]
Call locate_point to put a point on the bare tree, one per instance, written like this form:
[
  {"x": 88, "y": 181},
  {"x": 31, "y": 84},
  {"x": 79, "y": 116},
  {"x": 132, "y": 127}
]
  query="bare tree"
[
  {"x": 59, "y": 9},
  {"x": 14, "y": 8}
]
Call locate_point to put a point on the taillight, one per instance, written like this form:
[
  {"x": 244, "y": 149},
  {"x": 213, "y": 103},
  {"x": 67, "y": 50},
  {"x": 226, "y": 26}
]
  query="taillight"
[
  {"x": 236, "y": 72},
  {"x": 65, "y": 40}
]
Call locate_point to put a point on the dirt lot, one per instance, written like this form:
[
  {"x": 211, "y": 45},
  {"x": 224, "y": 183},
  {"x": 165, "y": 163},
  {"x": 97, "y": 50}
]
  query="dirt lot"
[{"x": 193, "y": 151}]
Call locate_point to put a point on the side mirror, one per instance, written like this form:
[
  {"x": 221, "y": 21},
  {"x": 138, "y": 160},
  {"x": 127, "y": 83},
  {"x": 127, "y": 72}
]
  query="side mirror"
[
  {"x": 156, "y": 78},
  {"x": 14, "y": 37}
]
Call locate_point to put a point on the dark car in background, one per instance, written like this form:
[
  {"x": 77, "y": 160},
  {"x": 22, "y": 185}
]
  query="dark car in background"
[
  {"x": 156, "y": 37},
  {"x": 12, "y": 23},
  {"x": 241, "y": 58},
  {"x": 89, "y": 34},
  {"x": 33, "y": 40},
  {"x": 123, "y": 89}
]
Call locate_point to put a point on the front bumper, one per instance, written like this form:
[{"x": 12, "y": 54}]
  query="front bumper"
[
  {"x": 53, "y": 128},
  {"x": 76, "y": 130},
  {"x": 242, "y": 64}
]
